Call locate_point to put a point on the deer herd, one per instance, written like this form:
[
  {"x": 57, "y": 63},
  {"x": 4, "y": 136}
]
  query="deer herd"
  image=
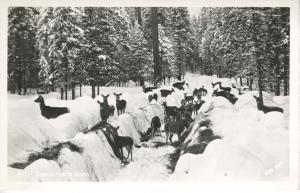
[{"x": 176, "y": 120}]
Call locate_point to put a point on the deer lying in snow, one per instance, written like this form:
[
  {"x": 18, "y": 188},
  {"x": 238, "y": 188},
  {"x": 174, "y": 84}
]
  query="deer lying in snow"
[
  {"x": 179, "y": 85},
  {"x": 149, "y": 89},
  {"x": 123, "y": 142},
  {"x": 226, "y": 89},
  {"x": 50, "y": 112},
  {"x": 121, "y": 104},
  {"x": 265, "y": 109},
  {"x": 165, "y": 93}
]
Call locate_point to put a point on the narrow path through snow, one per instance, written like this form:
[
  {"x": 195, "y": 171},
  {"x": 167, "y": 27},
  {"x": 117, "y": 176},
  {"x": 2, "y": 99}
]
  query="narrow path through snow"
[{"x": 149, "y": 163}]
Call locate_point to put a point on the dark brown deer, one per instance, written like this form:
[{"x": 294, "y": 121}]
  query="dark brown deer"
[
  {"x": 165, "y": 93},
  {"x": 226, "y": 89},
  {"x": 265, "y": 109},
  {"x": 50, "y": 112},
  {"x": 121, "y": 104},
  {"x": 179, "y": 85},
  {"x": 188, "y": 99},
  {"x": 106, "y": 105},
  {"x": 123, "y": 142},
  {"x": 176, "y": 127},
  {"x": 155, "y": 126}
]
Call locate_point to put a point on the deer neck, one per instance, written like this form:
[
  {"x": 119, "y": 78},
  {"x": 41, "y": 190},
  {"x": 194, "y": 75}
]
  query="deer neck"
[
  {"x": 259, "y": 105},
  {"x": 42, "y": 104}
]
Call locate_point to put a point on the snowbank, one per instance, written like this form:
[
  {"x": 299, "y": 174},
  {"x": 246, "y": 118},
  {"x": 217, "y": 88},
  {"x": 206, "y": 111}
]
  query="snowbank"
[
  {"x": 27, "y": 125},
  {"x": 99, "y": 158},
  {"x": 254, "y": 145}
]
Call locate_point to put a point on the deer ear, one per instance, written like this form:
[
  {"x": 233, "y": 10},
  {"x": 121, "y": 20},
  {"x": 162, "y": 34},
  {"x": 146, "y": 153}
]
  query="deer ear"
[
  {"x": 98, "y": 101},
  {"x": 118, "y": 127},
  {"x": 120, "y": 94},
  {"x": 102, "y": 95},
  {"x": 115, "y": 93},
  {"x": 107, "y": 95}
]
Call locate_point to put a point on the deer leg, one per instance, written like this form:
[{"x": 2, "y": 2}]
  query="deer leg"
[
  {"x": 167, "y": 136},
  {"x": 170, "y": 138},
  {"x": 128, "y": 151},
  {"x": 131, "y": 153}
]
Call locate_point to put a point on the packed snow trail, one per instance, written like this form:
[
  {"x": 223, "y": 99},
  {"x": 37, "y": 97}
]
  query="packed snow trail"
[{"x": 149, "y": 163}]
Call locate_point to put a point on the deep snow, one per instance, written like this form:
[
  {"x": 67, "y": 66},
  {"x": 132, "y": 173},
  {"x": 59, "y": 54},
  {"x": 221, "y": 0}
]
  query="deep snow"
[{"x": 254, "y": 145}]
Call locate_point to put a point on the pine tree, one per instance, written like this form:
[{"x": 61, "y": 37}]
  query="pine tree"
[{"x": 22, "y": 66}]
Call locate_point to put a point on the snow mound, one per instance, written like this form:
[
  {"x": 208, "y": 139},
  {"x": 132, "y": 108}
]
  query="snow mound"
[
  {"x": 26, "y": 124},
  {"x": 99, "y": 157}
]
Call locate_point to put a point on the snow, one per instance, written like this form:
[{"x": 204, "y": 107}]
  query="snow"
[{"x": 254, "y": 145}]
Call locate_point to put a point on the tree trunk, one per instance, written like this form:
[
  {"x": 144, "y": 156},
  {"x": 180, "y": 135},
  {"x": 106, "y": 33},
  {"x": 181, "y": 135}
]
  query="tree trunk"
[
  {"x": 19, "y": 82},
  {"x": 241, "y": 81},
  {"x": 277, "y": 89},
  {"x": 251, "y": 84},
  {"x": 73, "y": 91},
  {"x": 142, "y": 81},
  {"x": 139, "y": 15},
  {"x": 257, "y": 56},
  {"x": 61, "y": 93},
  {"x": 247, "y": 81},
  {"x": 285, "y": 76},
  {"x": 271, "y": 87},
  {"x": 155, "y": 42},
  {"x": 277, "y": 72},
  {"x": 80, "y": 93},
  {"x": 24, "y": 83},
  {"x": 98, "y": 89},
  {"x": 66, "y": 92},
  {"x": 93, "y": 89}
]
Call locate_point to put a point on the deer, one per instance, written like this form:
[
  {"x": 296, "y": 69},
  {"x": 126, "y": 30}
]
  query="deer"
[
  {"x": 165, "y": 93},
  {"x": 50, "y": 112},
  {"x": 106, "y": 105},
  {"x": 202, "y": 91},
  {"x": 179, "y": 85},
  {"x": 170, "y": 111},
  {"x": 121, "y": 104},
  {"x": 154, "y": 96},
  {"x": 188, "y": 99},
  {"x": 240, "y": 92},
  {"x": 155, "y": 126},
  {"x": 149, "y": 89},
  {"x": 226, "y": 89},
  {"x": 230, "y": 97},
  {"x": 214, "y": 84},
  {"x": 122, "y": 142},
  {"x": 265, "y": 109},
  {"x": 176, "y": 127}
]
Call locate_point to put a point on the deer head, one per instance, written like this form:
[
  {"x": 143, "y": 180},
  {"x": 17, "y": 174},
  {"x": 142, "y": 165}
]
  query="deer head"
[
  {"x": 118, "y": 96},
  {"x": 39, "y": 99}
]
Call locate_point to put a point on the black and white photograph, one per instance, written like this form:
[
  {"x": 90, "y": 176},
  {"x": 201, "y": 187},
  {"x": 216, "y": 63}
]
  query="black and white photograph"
[{"x": 148, "y": 94}]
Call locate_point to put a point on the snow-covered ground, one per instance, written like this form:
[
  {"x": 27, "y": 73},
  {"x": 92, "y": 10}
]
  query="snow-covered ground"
[{"x": 254, "y": 145}]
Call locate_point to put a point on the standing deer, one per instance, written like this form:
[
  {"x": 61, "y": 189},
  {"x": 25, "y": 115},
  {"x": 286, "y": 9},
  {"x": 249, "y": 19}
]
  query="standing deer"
[
  {"x": 122, "y": 141},
  {"x": 121, "y": 104},
  {"x": 106, "y": 105},
  {"x": 176, "y": 127}
]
